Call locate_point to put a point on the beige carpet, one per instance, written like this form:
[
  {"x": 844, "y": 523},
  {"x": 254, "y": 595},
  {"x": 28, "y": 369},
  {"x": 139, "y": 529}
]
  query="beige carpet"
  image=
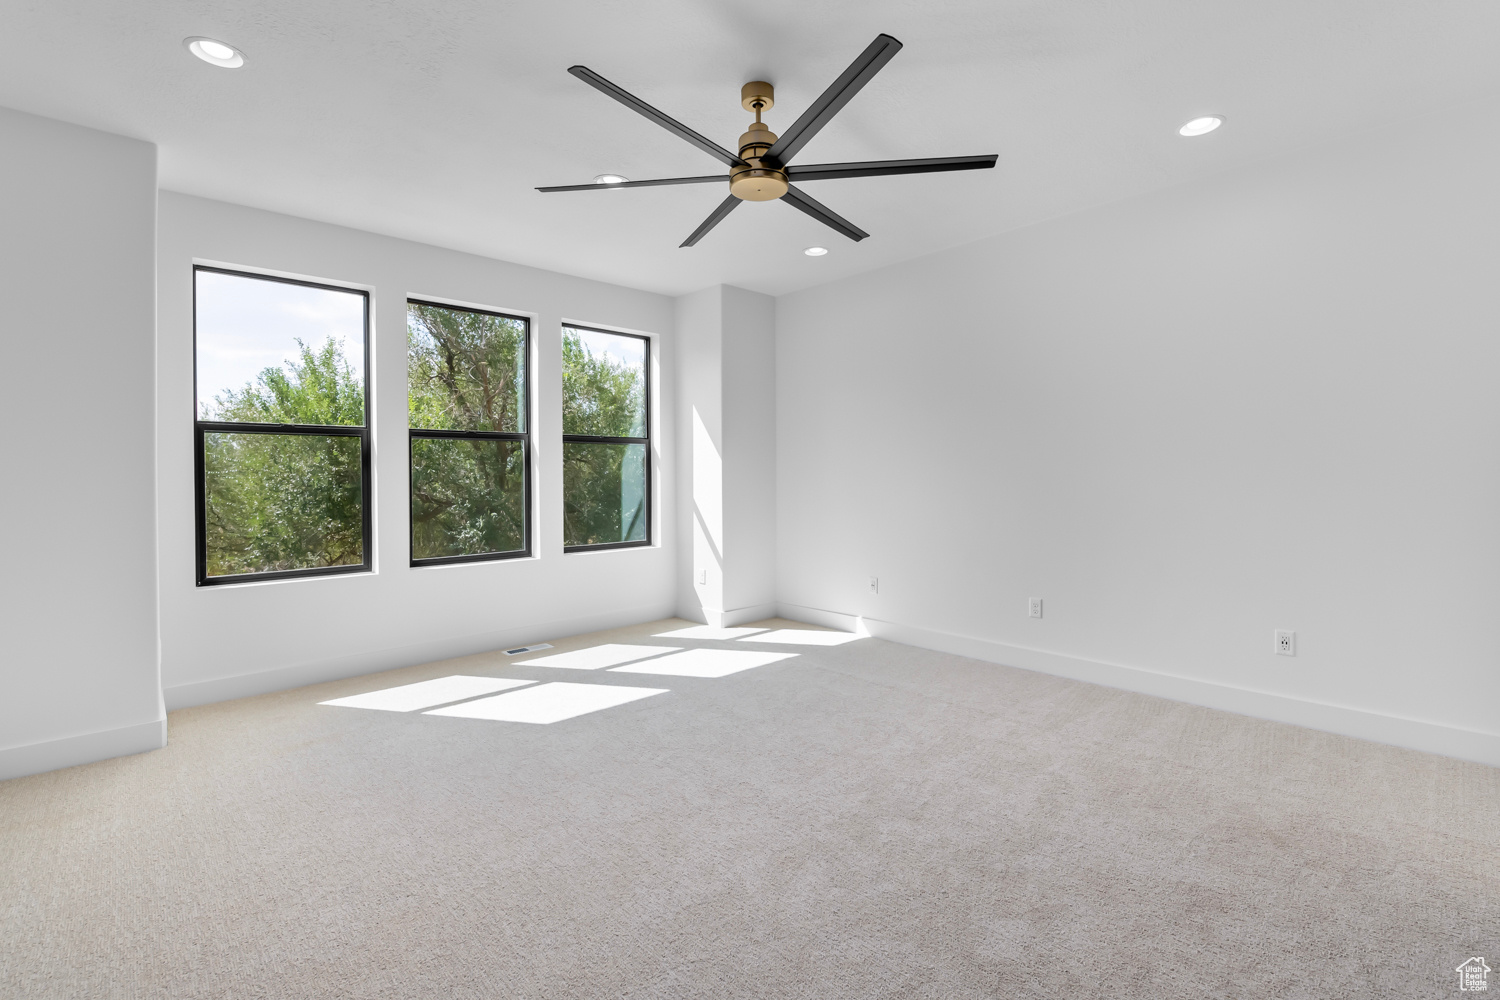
[{"x": 861, "y": 820}]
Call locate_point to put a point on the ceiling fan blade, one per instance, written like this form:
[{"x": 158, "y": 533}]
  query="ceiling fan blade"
[
  {"x": 803, "y": 203},
  {"x": 877, "y": 168},
  {"x": 710, "y": 179},
  {"x": 859, "y": 73},
  {"x": 639, "y": 106},
  {"x": 725, "y": 207}
]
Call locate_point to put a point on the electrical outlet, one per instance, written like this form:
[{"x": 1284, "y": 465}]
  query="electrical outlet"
[
  {"x": 874, "y": 585},
  {"x": 1286, "y": 642},
  {"x": 1034, "y": 607},
  {"x": 703, "y": 577}
]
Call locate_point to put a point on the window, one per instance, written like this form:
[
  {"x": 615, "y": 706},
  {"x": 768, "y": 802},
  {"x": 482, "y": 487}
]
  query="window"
[
  {"x": 606, "y": 440},
  {"x": 470, "y": 448},
  {"x": 283, "y": 444}
]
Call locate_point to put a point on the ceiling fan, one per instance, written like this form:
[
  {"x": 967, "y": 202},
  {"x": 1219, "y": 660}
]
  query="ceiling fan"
[{"x": 763, "y": 170}]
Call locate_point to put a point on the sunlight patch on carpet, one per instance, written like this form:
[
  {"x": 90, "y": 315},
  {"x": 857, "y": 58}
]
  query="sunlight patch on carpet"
[
  {"x": 597, "y": 657},
  {"x": 707, "y": 632},
  {"x": 547, "y": 703},
  {"x": 426, "y": 694},
  {"x": 703, "y": 663}
]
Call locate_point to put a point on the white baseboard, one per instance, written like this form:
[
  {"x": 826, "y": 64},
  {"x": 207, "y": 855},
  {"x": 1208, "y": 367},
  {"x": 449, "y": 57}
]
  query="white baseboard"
[
  {"x": 391, "y": 658},
  {"x": 1394, "y": 730},
  {"x": 827, "y": 619},
  {"x": 49, "y": 755},
  {"x": 728, "y": 619},
  {"x": 754, "y": 613}
]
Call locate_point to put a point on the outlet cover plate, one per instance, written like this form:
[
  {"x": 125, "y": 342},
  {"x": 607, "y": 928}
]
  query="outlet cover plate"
[
  {"x": 1286, "y": 642},
  {"x": 1034, "y": 607}
]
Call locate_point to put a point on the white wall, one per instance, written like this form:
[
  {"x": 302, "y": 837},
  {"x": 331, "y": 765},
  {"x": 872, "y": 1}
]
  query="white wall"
[
  {"x": 749, "y": 385},
  {"x": 1263, "y": 401},
  {"x": 231, "y": 640},
  {"x": 727, "y": 455},
  {"x": 79, "y": 669},
  {"x": 700, "y": 479}
]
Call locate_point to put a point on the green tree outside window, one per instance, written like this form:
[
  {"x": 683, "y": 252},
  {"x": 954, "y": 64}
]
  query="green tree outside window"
[
  {"x": 605, "y": 444},
  {"x": 466, "y": 375}
]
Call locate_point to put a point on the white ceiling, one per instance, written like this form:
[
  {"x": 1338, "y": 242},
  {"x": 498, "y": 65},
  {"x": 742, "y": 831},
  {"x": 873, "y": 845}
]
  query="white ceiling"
[{"x": 434, "y": 121}]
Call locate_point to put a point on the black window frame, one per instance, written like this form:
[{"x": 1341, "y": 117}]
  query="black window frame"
[
  {"x": 413, "y": 433},
  {"x": 202, "y": 427},
  {"x": 595, "y": 439}
]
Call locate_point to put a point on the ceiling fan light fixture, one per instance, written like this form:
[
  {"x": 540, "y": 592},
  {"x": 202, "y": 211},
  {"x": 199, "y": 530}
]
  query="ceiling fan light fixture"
[
  {"x": 1201, "y": 126},
  {"x": 815, "y": 251},
  {"x": 213, "y": 51},
  {"x": 610, "y": 179}
]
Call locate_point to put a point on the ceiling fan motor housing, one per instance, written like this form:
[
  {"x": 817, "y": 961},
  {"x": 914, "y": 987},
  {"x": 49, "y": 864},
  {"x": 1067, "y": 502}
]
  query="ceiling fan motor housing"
[{"x": 757, "y": 181}]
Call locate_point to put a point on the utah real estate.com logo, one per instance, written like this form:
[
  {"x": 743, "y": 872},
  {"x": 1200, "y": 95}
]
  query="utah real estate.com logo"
[{"x": 1474, "y": 976}]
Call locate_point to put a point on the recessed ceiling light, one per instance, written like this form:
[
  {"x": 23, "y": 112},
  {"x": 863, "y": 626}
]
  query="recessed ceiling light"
[
  {"x": 815, "y": 251},
  {"x": 1201, "y": 126},
  {"x": 213, "y": 51},
  {"x": 610, "y": 179}
]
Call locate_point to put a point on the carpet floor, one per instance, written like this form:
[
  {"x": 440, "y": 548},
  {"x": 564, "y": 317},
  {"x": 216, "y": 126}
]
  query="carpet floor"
[{"x": 862, "y": 819}]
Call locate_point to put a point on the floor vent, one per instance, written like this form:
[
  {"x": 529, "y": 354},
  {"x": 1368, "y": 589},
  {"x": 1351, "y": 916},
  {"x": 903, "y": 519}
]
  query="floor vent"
[{"x": 528, "y": 649}]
